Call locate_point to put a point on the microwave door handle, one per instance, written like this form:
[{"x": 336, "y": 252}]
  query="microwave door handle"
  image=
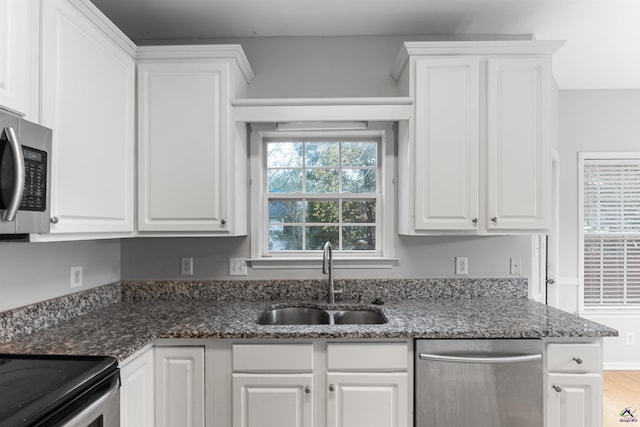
[{"x": 18, "y": 176}]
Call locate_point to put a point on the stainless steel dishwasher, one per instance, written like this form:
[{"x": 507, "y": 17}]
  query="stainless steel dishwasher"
[{"x": 479, "y": 382}]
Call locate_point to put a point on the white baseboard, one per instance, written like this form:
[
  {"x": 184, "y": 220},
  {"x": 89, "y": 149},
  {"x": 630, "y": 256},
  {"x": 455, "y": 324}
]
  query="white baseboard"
[{"x": 621, "y": 366}]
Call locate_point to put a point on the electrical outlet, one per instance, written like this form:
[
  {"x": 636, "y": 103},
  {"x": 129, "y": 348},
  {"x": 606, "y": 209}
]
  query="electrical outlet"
[
  {"x": 516, "y": 266},
  {"x": 186, "y": 266},
  {"x": 237, "y": 267},
  {"x": 462, "y": 265},
  {"x": 631, "y": 338},
  {"x": 76, "y": 277}
]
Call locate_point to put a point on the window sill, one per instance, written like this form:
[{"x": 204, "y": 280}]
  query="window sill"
[
  {"x": 619, "y": 312},
  {"x": 311, "y": 263}
]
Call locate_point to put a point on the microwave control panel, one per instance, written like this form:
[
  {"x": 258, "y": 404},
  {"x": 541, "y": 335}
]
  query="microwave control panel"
[{"x": 34, "y": 197}]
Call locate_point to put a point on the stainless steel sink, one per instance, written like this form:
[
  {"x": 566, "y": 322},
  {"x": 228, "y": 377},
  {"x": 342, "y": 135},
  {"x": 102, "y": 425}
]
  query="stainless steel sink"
[
  {"x": 295, "y": 316},
  {"x": 318, "y": 316},
  {"x": 358, "y": 317}
]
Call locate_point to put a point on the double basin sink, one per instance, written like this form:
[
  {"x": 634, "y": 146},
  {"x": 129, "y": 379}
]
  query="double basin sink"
[{"x": 319, "y": 316}]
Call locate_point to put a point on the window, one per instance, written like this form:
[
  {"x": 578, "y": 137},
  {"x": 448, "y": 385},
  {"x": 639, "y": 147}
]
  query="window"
[
  {"x": 315, "y": 186},
  {"x": 611, "y": 230}
]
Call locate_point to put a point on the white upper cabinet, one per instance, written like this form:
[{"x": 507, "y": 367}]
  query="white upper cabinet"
[
  {"x": 475, "y": 155},
  {"x": 88, "y": 99},
  {"x": 192, "y": 156},
  {"x": 446, "y": 123},
  {"x": 518, "y": 143},
  {"x": 18, "y": 56}
]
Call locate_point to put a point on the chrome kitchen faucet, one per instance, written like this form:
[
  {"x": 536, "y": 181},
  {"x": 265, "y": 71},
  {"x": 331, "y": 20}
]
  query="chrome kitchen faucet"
[{"x": 327, "y": 268}]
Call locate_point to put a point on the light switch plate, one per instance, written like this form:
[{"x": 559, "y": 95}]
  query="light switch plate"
[{"x": 516, "y": 266}]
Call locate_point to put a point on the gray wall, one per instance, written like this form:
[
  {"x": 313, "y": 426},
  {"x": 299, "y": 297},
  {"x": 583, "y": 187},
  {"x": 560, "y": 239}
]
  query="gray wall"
[
  {"x": 32, "y": 272},
  {"x": 159, "y": 258},
  {"x": 592, "y": 121}
]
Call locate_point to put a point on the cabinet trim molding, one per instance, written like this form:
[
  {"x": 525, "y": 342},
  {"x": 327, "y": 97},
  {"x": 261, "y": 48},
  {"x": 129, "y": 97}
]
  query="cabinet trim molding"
[{"x": 493, "y": 47}]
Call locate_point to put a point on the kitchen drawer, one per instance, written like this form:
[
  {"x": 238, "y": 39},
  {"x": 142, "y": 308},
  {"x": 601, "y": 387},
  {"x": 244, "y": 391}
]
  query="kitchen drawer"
[
  {"x": 573, "y": 358},
  {"x": 272, "y": 357},
  {"x": 367, "y": 356}
]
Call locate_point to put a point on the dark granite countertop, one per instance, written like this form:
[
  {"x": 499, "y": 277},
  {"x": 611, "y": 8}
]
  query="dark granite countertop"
[{"x": 123, "y": 328}]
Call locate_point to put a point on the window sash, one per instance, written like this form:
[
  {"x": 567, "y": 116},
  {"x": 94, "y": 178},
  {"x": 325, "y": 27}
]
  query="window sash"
[
  {"x": 340, "y": 197},
  {"x": 611, "y": 232}
]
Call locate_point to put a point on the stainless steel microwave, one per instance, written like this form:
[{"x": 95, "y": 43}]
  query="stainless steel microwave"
[{"x": 25, "y": 177}]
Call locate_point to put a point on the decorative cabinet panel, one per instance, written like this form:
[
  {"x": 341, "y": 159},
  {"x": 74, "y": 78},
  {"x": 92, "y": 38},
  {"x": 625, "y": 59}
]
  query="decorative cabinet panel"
[
  {"x": 137, "y": 393},
  {"x": 574, "y": 400},
  {"x": 88, "y": 78},
  {"x": 192, "y": 156},
  {"x": 475, "y": 156},
  {"x": 518, "y": 143},
  {"x": 18, "y": 56},
  {"x": 446, "y": 159},
  {"x": 573, "y": 384},
  {"x": 266, "y": 400},
  {"x": 318, "y": 383},
  {"x": 179, "y": 386},
  {"x": 367, "y": 399}
]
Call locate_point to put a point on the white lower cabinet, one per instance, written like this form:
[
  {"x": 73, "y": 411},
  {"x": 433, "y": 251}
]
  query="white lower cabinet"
[
  {"x": 573, "y": 385},
  {"x": 313, "y": 383},
  {"x": 266, "y": 400},
  {"x": 137, "y": 391},
  {"x": 179, "y": 386},
  {"x": 367, "y": 399}
]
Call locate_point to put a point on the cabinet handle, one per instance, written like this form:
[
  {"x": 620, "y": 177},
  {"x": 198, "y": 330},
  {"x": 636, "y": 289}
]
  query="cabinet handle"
[
  {"x": 332, "y": 387},
  {"x": 223, "y": 222},
  {"x": 54, "y": 220},
  {"x": 307, "y": 389},
  {"x": 551, "y": 281},
  {"x": 18, "y": 176},
  {"x": 474, "y": 220},
  {"x": 494, "y": 219},
  {"x": 557, "y": 388},
  {"x": 578, "y": 360}
]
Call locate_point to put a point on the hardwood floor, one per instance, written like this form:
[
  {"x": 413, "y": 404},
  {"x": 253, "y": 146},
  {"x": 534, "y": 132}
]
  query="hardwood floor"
[{"x": 621, "y": 391}]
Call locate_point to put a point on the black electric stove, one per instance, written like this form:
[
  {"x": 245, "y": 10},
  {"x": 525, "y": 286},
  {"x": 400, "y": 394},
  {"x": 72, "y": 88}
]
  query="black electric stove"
[{"x": 44, "y": 390}]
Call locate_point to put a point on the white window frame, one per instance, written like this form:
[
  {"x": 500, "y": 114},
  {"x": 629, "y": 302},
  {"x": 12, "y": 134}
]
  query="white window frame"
[
  {"x": 582, "y": 157},
  {"x": 260, "y": 133}
]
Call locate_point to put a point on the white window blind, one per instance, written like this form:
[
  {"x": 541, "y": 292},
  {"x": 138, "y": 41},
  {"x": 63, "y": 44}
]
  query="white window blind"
[{"x": 611, "y": 197}]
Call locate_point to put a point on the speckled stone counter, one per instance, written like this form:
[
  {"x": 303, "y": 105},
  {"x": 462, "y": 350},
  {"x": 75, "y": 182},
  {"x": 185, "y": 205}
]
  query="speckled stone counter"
[{"x": 124, "y": 327}]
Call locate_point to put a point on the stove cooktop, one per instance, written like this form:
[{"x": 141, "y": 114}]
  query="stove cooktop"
[{"x": 32, "y": 387}]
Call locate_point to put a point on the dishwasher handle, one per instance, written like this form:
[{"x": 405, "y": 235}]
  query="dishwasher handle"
[{"x": 481, "y": 359}]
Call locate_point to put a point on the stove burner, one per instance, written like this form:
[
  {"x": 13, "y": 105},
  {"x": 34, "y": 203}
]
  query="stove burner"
[
  {"x": 24, "y": 385},
  {"x": 42, "y": 390}
]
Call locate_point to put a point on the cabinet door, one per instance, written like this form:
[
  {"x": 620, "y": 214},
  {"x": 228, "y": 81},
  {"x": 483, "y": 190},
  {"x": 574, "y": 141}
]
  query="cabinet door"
[
  {"x": 137, "y": 393},
  {"x": 179, "y": 386},
  {"x": 574, "y": 400},
  {"x": 518, "y": 145},
  {"x": 88, "y": 101},
  {"x": 18, "y": 47},
  {"x": 182, "y": 154},
  {"x": 446, "y": 143},
  {"x": 367, "y": 399},
  {"x": 268, "y": 400}
]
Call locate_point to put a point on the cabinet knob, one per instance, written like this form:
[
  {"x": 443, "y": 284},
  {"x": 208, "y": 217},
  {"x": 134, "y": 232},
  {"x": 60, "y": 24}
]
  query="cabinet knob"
[
  {"x": 332, "y": 387},
  {"x": 494, "y": 219},
  {"x": 54, "y": 220},
  {"x": 474, "y": 220},
  {"x": 223, "y": 222},
  {"x": 578, "y": 360},
  {"x": 307, "y": 389},
  {"x": 551, "y": 281},
  {"x": 557, "y": 388}
]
